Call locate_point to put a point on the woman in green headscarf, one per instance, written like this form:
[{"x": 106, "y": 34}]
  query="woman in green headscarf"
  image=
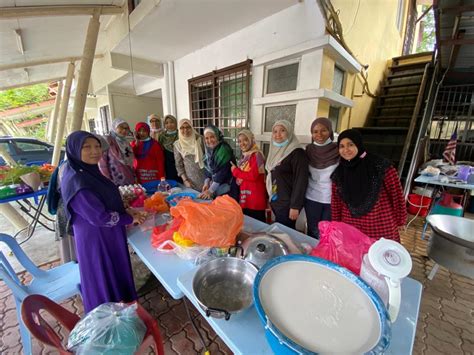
[
  {"x": 167, "y": 139},
  {"x": 219, "y": 156}
]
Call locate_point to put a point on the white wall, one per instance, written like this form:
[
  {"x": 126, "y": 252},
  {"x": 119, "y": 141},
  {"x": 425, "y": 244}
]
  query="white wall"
[
  {"x": 296, "y": 24},
  {"x": 134, "y": 109}
]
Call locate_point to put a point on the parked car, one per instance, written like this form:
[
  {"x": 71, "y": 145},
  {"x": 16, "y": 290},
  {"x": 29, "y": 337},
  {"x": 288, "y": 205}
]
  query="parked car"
[{"x": 28, "y": 151}]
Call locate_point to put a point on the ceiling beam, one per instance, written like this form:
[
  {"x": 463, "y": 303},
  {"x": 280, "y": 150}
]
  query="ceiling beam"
[
  {"x": 35, "y": 63},
  {"x": 58, "y": 10},
  {"x": 20, "y": 85},
  {"x": 456, "y": 41}
]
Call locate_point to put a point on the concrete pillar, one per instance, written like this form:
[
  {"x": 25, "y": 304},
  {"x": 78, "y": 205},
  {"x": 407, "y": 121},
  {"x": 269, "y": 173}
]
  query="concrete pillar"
[
  {"x": 85, "y": 71},
  {"x": 13, "y": 216},
  {"x": 54, "y": 119},
  {"x": 63, "y": 114}
]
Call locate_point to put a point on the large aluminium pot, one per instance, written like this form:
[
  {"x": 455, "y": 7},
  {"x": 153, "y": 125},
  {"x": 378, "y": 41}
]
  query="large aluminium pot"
[
  {"x": 261, "y": 247},
  {"x": 452, "y": 243},
  {"x": 223, "y": 286}
]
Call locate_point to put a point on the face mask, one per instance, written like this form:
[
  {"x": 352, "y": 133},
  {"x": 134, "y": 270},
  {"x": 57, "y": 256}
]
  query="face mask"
[
  {"x": 172, "y": 132},
  {"x": 280, "y": 145},
  {"x": 145, "y": 140},
  {"x": 329, "y": 140}
]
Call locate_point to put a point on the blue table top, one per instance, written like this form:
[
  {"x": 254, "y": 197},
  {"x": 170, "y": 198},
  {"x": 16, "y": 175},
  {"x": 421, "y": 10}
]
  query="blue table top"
[
  {"x": 24, "y": 196},
  {"x": 434, "y": 180},
  {"x": 244, "y": 333}
]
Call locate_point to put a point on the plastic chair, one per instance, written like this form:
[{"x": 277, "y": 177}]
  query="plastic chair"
[
  {"x": 58, "y": 283},
  {"x": 41, "y": 330}
]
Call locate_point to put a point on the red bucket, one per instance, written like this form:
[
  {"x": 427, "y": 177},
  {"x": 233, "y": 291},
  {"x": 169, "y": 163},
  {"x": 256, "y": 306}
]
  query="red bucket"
[{"x": 418, "y": 205}]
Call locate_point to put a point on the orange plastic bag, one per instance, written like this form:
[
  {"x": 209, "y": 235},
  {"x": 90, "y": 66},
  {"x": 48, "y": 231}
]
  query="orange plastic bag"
[
  {"x": 164, "y": 232},
  {"x": 213, "y": 225},
  {"x": 156, "y": 203}
]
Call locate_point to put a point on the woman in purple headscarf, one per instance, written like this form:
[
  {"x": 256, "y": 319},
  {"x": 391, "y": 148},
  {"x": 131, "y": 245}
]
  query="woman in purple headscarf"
[{"x": 95, "y": 210}]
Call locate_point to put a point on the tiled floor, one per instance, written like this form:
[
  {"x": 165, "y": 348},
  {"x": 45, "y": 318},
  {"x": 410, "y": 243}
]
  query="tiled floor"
[{"x": 445, "y": 324}]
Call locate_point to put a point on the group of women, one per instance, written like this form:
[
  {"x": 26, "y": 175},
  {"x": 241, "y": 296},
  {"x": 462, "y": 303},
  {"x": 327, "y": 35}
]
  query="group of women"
[{"x": 331, "y": 180}]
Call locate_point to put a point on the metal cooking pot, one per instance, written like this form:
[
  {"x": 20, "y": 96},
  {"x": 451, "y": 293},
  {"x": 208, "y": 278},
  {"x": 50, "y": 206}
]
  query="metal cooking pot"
[
  {"x": 262, "y": 247},
  {"x": 452, "y": 243},
  {"x": 223, "y": 286}
]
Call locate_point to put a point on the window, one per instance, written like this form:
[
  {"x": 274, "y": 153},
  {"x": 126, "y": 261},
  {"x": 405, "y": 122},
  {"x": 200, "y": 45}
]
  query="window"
[
  {"x": 338, "y": 80},
  {"x": 265, "y": 149},
  {"x": 92, "y": 125},
  {"x": 104, "y": 118},
  {"x": 399, "y": 19},
  {"x": 28, "y": 147},
  {"x": 333, "y": 116},
  {"x": 275, "y": 113},
  {"x": 222, "y": 98},
  {"x": 282, "y": 78}
]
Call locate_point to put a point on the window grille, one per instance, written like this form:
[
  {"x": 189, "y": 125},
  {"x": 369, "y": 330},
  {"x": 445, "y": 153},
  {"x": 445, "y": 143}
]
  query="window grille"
[
  {"x": 222, "y": 98},
  {"x": 338, "y": 80}
]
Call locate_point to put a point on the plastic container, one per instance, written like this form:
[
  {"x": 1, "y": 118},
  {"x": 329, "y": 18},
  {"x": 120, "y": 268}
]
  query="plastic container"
[
  {"x": 174, "y": 199},
  {"x": 418, "y": 205},
  {"x": 163, "y": 186},
  {"x": 152, "y": 186}
]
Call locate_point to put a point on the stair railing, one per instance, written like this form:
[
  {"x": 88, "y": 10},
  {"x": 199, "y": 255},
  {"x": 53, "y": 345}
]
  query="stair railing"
[{"x": 414, "y": 118}]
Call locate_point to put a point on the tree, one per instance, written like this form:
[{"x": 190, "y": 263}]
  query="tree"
[
  {"x": 23, "y": 96},
  {"x": 427, "y": 27}
]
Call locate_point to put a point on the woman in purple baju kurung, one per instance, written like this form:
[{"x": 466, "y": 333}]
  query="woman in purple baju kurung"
[{"x": 98, "y": 218}]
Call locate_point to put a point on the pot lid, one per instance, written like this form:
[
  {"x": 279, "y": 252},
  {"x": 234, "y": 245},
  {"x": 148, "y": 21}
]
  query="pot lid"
[
  {"x": 390, "y": 259},
  {"x": 260, "y": 249},
  {"x": 315, "y": 305}
]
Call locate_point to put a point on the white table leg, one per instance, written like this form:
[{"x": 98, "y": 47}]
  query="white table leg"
[{"x": 433, "y": 271}]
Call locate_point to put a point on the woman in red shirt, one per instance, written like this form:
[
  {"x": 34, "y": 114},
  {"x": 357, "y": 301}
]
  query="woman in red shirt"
[
  {"x": 149, "y": 162},
  {"x": 366, "y": 191},
  {"x": 250, "y": 175}
]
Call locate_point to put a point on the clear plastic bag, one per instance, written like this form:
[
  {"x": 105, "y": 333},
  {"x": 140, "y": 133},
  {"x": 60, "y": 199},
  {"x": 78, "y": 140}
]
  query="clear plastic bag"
[
  {"x": 342, "y": 244},
  {"x": 111, "y": 328},
  {"x": 192, "y": 253}
]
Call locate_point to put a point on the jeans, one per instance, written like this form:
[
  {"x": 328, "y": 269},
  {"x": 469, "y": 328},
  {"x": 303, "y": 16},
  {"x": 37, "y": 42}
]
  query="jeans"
[{"x": 315, "y": 213}]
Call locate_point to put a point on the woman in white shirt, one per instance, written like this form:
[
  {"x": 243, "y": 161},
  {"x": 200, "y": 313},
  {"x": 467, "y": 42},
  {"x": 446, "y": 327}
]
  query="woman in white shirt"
[{"x": 323, "y": 157}]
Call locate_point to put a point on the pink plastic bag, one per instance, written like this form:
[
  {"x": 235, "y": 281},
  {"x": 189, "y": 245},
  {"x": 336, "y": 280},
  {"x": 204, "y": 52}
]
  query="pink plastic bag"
[{"x": 342, "y": 244}]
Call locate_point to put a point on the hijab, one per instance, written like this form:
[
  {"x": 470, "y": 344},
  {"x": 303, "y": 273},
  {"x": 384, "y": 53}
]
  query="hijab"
[
  {"x": 126, "y": 153},
  {"x": 78, "y": 176},
  {"x": 219, "y": 155},
  {"x": 244, "y": 161},
  {"x": 190, "y": 145},
  {"x": 143, "y": 145},
  {"x": 276, "y": 153},
  {"x": 167, "y": 138},
  {"x": 358, "y": 181},
  {"x": 323, "y": 155}
]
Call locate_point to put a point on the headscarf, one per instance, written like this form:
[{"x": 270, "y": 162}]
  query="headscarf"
[
  {"x": 322, "y": 156},
  {"x": 359, "y": 180},
  {"x": 143, "y": 145},
  {"x": 244, "y": 161},
  {"x": 277, "y": 154},
  {"x": 126, "y": 156},
  {"x": 167, "y": 138},
  {"x": 190, "y": 145},
  {"x": 78, "y": 176},
  {"x": 221, "y": 154}
]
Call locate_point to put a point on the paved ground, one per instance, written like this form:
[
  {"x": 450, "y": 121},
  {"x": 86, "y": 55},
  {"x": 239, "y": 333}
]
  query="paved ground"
[{"x": 445, "y": 325}]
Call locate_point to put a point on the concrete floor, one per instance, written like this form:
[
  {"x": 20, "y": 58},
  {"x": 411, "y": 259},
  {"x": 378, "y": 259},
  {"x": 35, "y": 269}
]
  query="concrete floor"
[{"x": 445, "y": 323}]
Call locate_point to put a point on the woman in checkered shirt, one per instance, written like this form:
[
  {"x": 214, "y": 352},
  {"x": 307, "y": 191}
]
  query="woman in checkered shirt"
[{"x": 366, "y": 190}]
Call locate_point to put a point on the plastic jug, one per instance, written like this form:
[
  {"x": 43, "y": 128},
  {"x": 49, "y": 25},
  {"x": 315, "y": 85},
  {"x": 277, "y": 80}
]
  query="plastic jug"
[
  {"x": 464, "y": 171},
  {"x": 383, "y": 268}
]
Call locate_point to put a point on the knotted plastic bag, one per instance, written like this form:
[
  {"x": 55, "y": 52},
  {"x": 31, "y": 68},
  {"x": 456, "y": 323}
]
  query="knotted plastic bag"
[
  {"x": 342, "y": 244},
  {"x": 213, "y": 225},
  {"x": 111, "y": 328}
]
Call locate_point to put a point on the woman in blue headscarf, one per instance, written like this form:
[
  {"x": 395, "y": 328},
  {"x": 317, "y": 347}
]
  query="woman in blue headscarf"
[
  {"x": 98, "y": 218},
  {"x": 219, "y": 156}
]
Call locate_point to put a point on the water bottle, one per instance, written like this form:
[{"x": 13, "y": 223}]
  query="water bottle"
[{"x": 164, "y": 186}]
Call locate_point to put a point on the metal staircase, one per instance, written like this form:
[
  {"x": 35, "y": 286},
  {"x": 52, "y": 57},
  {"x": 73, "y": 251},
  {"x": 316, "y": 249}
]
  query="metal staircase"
[{"x": 391, "y": 128}]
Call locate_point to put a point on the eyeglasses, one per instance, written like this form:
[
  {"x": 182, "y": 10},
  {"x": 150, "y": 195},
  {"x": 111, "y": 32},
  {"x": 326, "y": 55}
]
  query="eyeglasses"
[{"x": 185, "y": 128}]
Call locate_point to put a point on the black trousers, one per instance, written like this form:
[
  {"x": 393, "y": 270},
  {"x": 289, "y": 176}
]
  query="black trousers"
[
  {"x": 257, "y": 214},
  {"x": 282, "y": 215}
]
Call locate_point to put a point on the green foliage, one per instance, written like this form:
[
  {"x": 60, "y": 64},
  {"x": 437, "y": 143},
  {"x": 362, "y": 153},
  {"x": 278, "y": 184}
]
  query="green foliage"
[
  {"x": 23, "y": 96},
  {"x": 428, "y": 40}
]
